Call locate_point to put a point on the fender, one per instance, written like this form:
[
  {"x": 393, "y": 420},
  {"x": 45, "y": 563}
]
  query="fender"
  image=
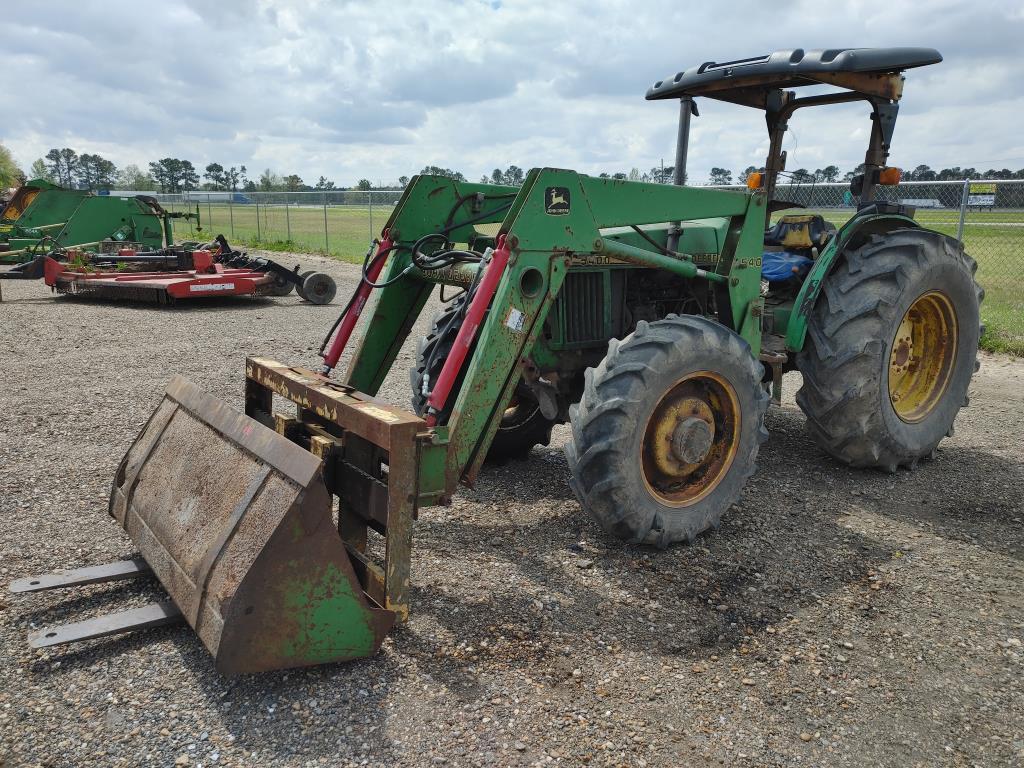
[{"x": 851, "y": 234}]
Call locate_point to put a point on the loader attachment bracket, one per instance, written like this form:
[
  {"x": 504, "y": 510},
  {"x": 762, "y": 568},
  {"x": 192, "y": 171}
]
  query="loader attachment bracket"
[{"x": 380, "y": 461}]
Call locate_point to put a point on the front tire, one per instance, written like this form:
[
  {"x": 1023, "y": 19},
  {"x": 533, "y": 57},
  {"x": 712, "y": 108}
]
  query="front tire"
[
  {"x": 891, "y": 347},
  {"x": 668, "y": 430}
]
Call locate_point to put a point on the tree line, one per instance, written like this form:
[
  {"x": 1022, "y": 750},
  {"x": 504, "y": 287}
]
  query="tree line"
[
  {"x": 64, "y": 166},
  {"x": 170, "y": 174},
  {"x": 67, "y": 168},
  {"x": 830, "y": 174}
]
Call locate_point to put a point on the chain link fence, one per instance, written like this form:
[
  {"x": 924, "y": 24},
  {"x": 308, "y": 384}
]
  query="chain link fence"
[
  {"x": 339, "y": 223},
  {"x": 988, "y": 216}
]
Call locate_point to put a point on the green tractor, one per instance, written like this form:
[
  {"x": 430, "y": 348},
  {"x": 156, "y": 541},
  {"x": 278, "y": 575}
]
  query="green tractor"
[
  {"x": 656, "y": 319},
  {"x": 41, "y": 217},
  {"x": 37, "y": 206}
]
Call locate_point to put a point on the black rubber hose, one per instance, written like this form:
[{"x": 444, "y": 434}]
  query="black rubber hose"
[
  {"x": 662, "y": 248},
  {"x": 464, "y": 198},
  {"x": 446, "y": 258}
]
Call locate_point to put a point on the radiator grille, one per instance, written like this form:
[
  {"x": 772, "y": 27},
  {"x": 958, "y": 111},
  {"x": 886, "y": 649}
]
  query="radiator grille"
[{"x": 580, "y": 306}]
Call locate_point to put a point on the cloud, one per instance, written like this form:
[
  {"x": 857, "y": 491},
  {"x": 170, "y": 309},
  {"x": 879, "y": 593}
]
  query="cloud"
[{"x": 380, "y": 89}]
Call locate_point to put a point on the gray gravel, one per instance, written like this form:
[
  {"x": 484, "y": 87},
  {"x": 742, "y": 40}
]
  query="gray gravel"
[{"x": 838, "y": 617}]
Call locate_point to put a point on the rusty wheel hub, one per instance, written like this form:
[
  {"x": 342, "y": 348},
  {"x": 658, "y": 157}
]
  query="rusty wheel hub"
[{"x": 690, "y": 439}]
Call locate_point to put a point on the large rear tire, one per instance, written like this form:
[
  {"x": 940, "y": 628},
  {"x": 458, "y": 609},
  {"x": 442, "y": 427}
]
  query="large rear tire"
[
  {"x": 891, "y": 347},
  {"x": 668, "y": 430},
  {"x": 522, "y": 424}
]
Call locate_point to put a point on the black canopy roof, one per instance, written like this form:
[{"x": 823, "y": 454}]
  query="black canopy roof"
[{"x": 789, "y": 69}]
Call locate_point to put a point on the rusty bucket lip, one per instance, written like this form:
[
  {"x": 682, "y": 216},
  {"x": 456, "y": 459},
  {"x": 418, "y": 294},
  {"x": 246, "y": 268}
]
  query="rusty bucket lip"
[{"x": 287, "y": 458}]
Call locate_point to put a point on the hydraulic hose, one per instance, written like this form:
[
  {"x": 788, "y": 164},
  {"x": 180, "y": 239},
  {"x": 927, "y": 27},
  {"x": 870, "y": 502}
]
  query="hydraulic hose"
[
  {"x": 355, "y": 305},
  {"x": 478, "y": 305},
  {"x": 444, "y": 257}
]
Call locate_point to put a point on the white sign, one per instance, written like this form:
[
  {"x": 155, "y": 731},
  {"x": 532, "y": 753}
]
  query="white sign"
[
  {"x": 981, "y": 200},
  {"x": 515, "y": 320},
  {"x": 205, "y": 287}
]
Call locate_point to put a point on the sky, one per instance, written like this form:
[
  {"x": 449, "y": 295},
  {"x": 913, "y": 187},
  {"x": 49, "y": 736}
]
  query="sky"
[{"x": 378, "y": 90}]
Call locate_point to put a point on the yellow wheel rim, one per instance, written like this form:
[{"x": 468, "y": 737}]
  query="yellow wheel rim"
[
  {"x": 922, "y": 357},
  {"x": 690, "y": 439}
]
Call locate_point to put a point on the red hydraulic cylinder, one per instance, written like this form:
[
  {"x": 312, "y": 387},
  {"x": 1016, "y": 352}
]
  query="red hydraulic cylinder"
[
  {"x": 467, "y": 331},
  {"x": 358, "y": 302}
]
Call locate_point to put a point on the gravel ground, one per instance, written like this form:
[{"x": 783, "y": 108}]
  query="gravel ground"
[{"x": 838, "y": 617}]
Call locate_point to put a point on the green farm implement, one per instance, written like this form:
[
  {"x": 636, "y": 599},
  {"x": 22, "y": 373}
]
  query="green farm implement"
[
  {"x": 656, "y": 319},
  {"x": 42, "y": 216}
]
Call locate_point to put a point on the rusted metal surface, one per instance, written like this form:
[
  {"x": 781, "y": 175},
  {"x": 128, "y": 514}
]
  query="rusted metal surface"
[
  {"x": 235, "y": 521},
  {"x": 368, "y": 417},
  {"x": 371, "y": 453},
  {"x": 146, "y": 617},
  {"x": 690, "y": 439},
  {"x": 887, "y": 86},
  {"x": 79, "y": 577},
  {"x": 461, "y": 274}
]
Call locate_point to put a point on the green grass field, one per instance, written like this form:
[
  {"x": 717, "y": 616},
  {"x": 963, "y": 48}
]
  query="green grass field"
[
  {"x": 994, "y": 238},
  {"x": 292, "y": 228}
]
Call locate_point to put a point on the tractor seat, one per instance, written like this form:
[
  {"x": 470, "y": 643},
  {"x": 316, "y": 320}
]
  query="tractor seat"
[{"x": 797, "y": 232}]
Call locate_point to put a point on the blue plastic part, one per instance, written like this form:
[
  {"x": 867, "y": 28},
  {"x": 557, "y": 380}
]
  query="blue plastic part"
[{"x": 777, "y": 266}]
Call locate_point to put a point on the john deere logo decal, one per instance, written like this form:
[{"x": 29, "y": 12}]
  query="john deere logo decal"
[{"x": 556, "y": 201}]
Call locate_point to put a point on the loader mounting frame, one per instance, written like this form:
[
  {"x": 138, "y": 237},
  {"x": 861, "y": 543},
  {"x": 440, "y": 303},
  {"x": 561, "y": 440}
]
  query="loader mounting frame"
[{"x": 375, "y": 459}]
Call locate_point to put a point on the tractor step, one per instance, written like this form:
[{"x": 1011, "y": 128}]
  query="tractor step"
[
  {"x": 93, "y": 574},
  {"x": 146, "y": 617},
  {"x": 774, "y": 357}
]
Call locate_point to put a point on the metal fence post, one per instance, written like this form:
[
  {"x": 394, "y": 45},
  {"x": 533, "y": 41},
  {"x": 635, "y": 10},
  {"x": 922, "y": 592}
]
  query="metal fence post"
[
  {"x": 288, "y": 218},
  {"x": 209, "y": 213},
  {"x": 231, "y": 214},
  {"x": 369, "y": 201},
  {"x": 257, "y": 201},
  {"x": 963, "y": 210},
  {"x": 327, "y": 245}
]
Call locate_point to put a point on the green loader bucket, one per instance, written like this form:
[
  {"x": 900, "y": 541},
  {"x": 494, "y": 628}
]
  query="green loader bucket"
[{"x": 235, "y": 521}]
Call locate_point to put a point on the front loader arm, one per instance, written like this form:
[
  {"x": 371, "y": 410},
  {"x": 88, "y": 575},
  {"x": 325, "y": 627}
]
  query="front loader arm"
[
  {"x": 430, "y": 204},
  {"x": 560, "y": 213}
]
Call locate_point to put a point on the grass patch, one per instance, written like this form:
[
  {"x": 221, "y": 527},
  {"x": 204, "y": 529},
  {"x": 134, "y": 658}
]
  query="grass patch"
[
  {"x": 996, "y": 339},
  {"x": 342, "y": 232}
]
